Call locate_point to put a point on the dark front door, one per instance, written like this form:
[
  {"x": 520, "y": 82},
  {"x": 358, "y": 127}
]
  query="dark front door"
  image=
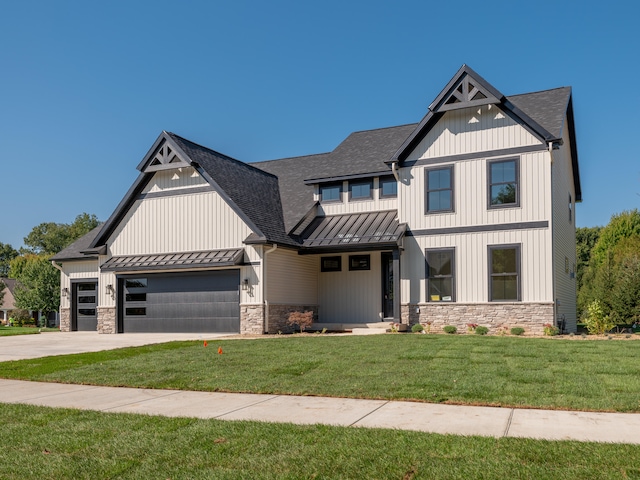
[
  {"x": 387, "y": 284},
  {"x": 85, "y": 300}
]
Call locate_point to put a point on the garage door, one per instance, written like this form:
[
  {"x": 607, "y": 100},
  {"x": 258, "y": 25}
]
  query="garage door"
[
  {"x": 85, "y": 300},
  {"x": 181, "y": 302}
]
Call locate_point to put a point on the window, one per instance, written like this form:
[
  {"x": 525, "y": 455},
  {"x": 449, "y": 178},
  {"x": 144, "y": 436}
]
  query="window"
[
  {"x": 440, "y": 275},
  {"x": 360, "y": 190},
  {"x": 135, "y": 283},
  {"x": 359, "y": 262},
  {"x": 570, "y": 209},
  {"x": 135, "y": 311},
  {"x": 388, "y": 187},
  {"x": 86, "y": 287},
  {"x": 331, "y": 264},
  {"x": 504, "y": 273},
  {"x": 136, "y": 297},
  {"x": 331, "y": 193},
  {"x": 86, "y": 312},
  {"x": 87, "y": 299},
  {"x": 503, "y": 184},
  {"x": 439, "y": 190}
]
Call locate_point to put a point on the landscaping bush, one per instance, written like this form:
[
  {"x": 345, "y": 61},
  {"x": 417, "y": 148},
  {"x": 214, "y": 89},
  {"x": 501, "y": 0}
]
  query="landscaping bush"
[
  {"x": 597, "y": 322},
  {"x": 302, "y": 320},
  {"x": 449, "y": 329},
  {"x": 417, "y": 328},
  {"x": 550, "y": 330},
  {"x": 517, "y": 331},
  {"x": 21, "y": 317},
  {"x": 480, "y": 330}
]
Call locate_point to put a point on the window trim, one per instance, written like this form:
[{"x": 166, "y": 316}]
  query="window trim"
[
  {"x": 570, "y": 209},
  {"x": 389, "y": 179},
  {"x": 452, "y": 276},
  {"x": 518, "y": 273},
  {"x": 361, "y": 182},
  {"x": 516, "y": 204},
  {"x": 353, "y": 268},
  {"x": 427, "y": 190},
  {"x": 328, "y": 185},
  {"x": 326, "y": 269}
]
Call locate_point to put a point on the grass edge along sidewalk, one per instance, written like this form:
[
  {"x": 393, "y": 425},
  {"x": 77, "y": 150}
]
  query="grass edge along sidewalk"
[{"x": 471, "y": 370}]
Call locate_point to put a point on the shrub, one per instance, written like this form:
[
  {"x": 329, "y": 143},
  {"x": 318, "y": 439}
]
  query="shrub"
[
  {"x": 417, "y": 328},
  {"x": 597, "y": 322},
  {"x": 302, "y": 320},
  {"x": 449, "y": 329},
  {"x": 550, "y": 330},
  {"x": 20, "y": 317},
  {"x": 480, "y": 330},
  {"x": 517, "y": 331}
]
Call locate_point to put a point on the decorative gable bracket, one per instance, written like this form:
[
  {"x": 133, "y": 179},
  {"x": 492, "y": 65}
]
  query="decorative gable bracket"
[
  {"x": 163, "y": 155},
  {"x": 466, "y": 91}
]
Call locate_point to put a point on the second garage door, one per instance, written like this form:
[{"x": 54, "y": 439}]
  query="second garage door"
[{"x": 205, "y": 302}]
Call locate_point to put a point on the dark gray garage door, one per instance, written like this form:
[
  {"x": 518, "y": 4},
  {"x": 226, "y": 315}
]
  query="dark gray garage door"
[
  {"x": 85, "y": 299},
  {"x": 180, "y": 302}
]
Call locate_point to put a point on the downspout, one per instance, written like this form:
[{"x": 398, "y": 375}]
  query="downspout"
[
  {"x": 553, "y": 243},
  {"x": 394, "y": 170},
  {"x": 264, "y": 287}
]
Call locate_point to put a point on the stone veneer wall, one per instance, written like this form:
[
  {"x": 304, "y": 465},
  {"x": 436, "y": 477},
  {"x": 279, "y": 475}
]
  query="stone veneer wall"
[
  {"x": 279, "y": 314},
  {"x": 65, "y": 319},
  {"x": 252, "y": 319},
  {"x": 107, "y": 320},
  {"x": 494, "y": 316}
]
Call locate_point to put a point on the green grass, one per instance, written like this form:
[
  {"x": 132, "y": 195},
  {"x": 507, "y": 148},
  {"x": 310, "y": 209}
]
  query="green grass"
[
  {"x": 45, "y": 443},
  {"x": 9, "y": 331},
  {"x": 499, "y": 371}
]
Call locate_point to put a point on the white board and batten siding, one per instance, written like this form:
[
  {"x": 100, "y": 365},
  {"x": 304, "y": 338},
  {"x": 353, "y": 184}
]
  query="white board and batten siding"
[
  {"x": 564, "y": 239},
  {"x": 351, "y": 296},
  {"x": 76, "y": 270},
  {"x": 376, "y": 203},
  {"x": 292, "y": 279},
  {"x": 462, "y": 132}
]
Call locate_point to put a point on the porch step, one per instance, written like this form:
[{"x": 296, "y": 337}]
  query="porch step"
[{"x": 355, "y": 328}]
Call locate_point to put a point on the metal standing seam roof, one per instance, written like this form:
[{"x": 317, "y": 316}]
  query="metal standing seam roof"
[
  {"x": 354, "y": 230},
  {"x": 212, "y": 258}
]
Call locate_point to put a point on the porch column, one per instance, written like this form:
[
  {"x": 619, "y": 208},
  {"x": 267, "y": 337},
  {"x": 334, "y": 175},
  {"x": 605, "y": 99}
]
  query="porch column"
[{"x": 396, "y": 285}]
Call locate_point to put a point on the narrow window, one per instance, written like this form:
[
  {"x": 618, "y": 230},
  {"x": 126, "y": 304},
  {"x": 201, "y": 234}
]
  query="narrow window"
[
  {"x": 388, "y": 187},
  {"x": 331, "y": 264},
  {"x": 359, "y": 262},
  {"x": 360, "y": 190},
  {"x": 331, "y": 193},
  {"x": 440, "y": 275},
  {"x": 135, "y": 283},
  {"x": 570, "y": 209},
  {"x": 135, "y": 311},
  {"x": 504, "y": 273},
  {"x": 439, "y": 190},
  {"x": 503, "y": 184}
]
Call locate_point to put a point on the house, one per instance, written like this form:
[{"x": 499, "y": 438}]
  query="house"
[
  {"x": 8, "y": 300},
  {"x": 465, "y": 217}
]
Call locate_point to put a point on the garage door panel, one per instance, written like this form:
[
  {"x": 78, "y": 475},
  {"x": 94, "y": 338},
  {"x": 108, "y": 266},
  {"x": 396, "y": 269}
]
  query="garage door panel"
[{"x": 191, "y": 303}]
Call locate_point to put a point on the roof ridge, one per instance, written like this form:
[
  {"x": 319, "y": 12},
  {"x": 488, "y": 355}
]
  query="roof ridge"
[
  {"x": 539, "y": 91},
  {"x": 289, "y": 158},
  {"x": 383, "y": 128}
]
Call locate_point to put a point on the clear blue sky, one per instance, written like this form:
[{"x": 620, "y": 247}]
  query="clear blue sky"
[{"x": 86, "y": 87}]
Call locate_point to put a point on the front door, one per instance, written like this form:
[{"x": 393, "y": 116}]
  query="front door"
[
  {"x": 387, "y": 284},
  {"x": 85, "y": 302}
]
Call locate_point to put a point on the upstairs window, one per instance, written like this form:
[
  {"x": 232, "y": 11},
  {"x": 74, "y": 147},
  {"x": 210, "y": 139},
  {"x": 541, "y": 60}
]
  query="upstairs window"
[
  {"x": 388, "y": 187},
  {"x": 439, "y": 195},
  {"x": 331, "y": 192},
  {"x": 360, "y": 190},
  {"x": 503, "y": 184}
]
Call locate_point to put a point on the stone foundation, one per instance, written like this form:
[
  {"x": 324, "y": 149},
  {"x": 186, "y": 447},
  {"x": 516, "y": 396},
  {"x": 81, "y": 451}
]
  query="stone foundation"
[
  {"x": 497, "y": 317},
  {"x": 107, "y": 320},
  {"x": 278, "y": 319},
  {"x": 252, "y": 319},
  {"x": 65, "y": 319}
]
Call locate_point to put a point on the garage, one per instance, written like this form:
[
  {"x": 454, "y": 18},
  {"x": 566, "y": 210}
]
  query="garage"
[{"x": 186, "y": 302}]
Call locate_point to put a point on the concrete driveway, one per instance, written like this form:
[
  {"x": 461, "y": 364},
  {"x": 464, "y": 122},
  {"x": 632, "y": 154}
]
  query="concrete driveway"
[{"x": 46, "y": 344}]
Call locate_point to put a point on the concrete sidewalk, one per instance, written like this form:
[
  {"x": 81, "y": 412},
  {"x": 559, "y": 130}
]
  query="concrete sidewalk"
[{"x": 424, "y": 417}]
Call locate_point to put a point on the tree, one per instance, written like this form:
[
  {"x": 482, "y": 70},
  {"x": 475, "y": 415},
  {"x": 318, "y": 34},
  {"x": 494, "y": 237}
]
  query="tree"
[
  {"x": 50, "y": 238},
  {"x": 2, "y": 287},
  {"x": 38, "y": 285},
  {"x": 621, "y": 225},
  {"x": 7, "y": 253}
]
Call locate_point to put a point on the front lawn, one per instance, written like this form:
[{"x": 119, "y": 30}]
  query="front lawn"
[
  {"x": 45, "y": 443},
  {"x": 8, "y": 331},
  {"x": 500, "y": 371}
]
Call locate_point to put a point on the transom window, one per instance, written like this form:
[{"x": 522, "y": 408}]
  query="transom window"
[
  {"x": 440, "y": 275},
  {"x": 504, "y": 273},
  {"x": 503, "y": 184},
  {"x": 359, "y": 262},
  {"x": 439, "y": 190},
  {"x": 360, "y": 190},
  {"x": 331, "y": 264},
  {"x": 388, "y": 187},
  {"x": 331, "y": 193}
]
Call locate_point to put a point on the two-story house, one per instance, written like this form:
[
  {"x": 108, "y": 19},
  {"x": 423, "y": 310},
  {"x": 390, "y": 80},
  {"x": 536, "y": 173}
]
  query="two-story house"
[{"x": 465, "y": 217}]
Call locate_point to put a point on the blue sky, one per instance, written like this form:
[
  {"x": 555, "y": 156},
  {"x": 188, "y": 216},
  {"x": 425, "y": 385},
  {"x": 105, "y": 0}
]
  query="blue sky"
[{"x": 86, "y": 87}]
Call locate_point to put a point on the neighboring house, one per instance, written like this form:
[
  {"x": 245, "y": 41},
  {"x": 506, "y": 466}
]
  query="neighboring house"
[
  {"x": 8, "y": 300},
  {"x": 465, "y": 217}
]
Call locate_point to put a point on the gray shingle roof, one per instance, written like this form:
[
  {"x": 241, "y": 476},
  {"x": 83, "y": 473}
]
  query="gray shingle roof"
[
  {"x": 76, "y": 249},
  {"x": 547, "y": 108}
]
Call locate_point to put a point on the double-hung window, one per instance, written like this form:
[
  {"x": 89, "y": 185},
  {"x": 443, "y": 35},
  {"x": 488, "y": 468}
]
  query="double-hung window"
[
  {"x": 503, "y": 181},
  {"x": 440, "y": 275},
  {"x": 439, "y": 195},
  {"x": 504, "y": 273}
]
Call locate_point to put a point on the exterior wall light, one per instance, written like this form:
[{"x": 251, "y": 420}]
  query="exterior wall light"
[
  {"x": 64, "y": 291},
  {"x": 245, "y": 284},
  {"x": 110, "y": 290}
]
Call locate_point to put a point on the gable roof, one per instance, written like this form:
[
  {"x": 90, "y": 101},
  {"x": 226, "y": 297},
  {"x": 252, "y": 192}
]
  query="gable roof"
[
  {"x": 8, "y": 299},
  {"x": 77, "y": 250}
]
